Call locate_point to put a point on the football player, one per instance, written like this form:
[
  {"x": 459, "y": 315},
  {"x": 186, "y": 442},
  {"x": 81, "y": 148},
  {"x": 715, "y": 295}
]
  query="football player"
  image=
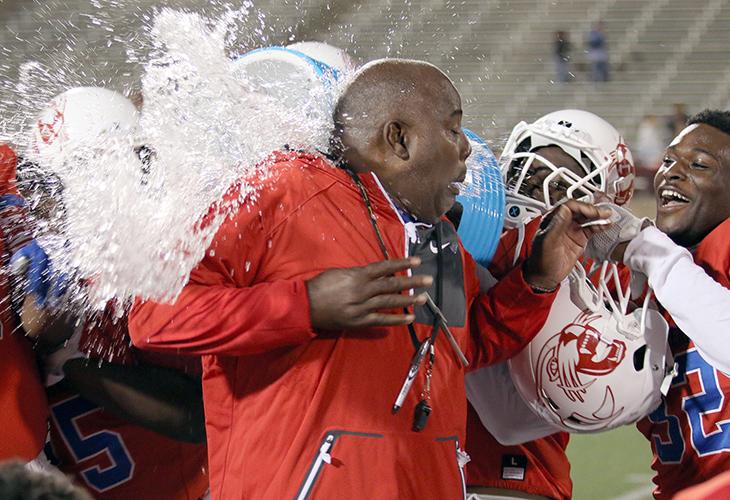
[
  {"x": 123, "y": 424},
  {"x": 687, "y": 260},
  {"x": 565, "y": 154}
]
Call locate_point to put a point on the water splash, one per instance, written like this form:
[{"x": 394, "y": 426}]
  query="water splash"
[{"x": 131, "y": 228}]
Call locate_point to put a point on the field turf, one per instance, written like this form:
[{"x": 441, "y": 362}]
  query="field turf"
[{"x": 611, "y": 465}]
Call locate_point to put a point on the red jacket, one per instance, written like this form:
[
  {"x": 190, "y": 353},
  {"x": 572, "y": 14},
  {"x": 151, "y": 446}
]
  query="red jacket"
[{"x": 293, "y": 413}]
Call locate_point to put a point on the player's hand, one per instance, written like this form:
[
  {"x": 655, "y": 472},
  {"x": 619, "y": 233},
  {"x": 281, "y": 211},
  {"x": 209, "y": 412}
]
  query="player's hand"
[
  {"x": 32, "y": 266},
  {"x": 611, "y": 244},
  {"x": 560, "y": 242},
  {"x": 358, "y": 297}
]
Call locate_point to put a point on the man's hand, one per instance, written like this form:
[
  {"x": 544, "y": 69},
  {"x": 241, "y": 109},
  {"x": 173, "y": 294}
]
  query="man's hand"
[
  {"x": 611, "y": 244},
  {"x": 560, "y": 242},
  {"x": 355, "y": 297}
]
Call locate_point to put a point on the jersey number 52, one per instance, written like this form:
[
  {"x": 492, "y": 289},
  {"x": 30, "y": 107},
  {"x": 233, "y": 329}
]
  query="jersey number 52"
[{"x": 696, "y": 407}]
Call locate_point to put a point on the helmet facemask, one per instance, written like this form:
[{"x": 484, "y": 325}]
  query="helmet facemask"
[{"x": 522, "y": 163}]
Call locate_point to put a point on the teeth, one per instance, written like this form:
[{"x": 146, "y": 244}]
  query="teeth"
[{"x": 671, "y": 194}]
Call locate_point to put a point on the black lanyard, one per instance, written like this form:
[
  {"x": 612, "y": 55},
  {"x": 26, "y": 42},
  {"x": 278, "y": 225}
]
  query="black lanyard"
[{"x": 386, "y": 254}]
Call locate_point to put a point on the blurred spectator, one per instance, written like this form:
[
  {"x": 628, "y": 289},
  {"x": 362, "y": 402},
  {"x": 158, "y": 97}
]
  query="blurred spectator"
[
  {"x": 598, "y": 53},
  {"x": 650, "y": 144},
  {"x": 17, "y": 482},
  {"x": 677, "y": 120},
  {"x": 562, "y": 56}
]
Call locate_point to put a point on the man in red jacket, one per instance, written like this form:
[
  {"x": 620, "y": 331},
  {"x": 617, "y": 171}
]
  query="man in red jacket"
[{"x": 300, "y": 320}]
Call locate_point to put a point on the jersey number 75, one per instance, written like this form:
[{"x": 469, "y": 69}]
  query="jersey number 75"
[{"x": 65, "y": 414}]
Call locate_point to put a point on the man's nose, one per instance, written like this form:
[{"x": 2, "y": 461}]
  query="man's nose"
[
  {"x": 466, "y": 148},
  {"x": 676, "y": 170}
]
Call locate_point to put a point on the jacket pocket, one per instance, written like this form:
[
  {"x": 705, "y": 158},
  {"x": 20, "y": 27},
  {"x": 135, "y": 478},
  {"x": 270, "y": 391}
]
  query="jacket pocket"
[
  {"x": 324, "y": 458},
  {"x": 462, "y": 458}
]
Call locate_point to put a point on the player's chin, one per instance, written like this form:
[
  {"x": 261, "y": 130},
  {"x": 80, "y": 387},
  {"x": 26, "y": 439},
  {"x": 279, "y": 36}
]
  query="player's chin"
[{"x": 676, "y": 225}]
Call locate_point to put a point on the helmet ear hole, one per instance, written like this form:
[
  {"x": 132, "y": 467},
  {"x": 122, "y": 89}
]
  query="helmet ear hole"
[{"x": 639, "y": 357}]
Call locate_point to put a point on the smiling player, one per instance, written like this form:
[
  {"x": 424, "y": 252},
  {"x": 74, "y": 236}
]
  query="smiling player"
[{"x": 689, "y": 432}]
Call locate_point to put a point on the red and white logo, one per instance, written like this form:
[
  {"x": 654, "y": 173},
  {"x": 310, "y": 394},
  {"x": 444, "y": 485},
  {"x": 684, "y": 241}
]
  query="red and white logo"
[
  {"x": 51, "y": 122},
  {"x": 624, "y": 185},
  {"x": 572, "y": 361}
]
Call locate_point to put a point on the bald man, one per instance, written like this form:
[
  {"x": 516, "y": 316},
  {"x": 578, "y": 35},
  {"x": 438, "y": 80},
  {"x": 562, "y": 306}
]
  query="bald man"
[{"x": 322, "y": 376}]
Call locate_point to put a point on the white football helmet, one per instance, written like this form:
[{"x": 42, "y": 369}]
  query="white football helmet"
[
  {"x": 79, "y": 117},
  {"x": 594, "y": 365},
  {"x": 594, "y": 143}
]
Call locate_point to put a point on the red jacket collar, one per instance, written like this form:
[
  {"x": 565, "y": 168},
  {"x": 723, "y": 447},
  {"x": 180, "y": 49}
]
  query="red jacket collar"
[{"x": 381, "y": 202}]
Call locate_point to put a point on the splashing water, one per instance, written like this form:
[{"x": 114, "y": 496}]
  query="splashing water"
[{"x": 133, "y": 230}]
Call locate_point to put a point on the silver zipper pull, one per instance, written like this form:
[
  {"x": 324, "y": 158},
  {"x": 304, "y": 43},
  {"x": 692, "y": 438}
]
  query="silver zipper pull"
[
  {"x": 325, "y": 448},
  {"x": 462, "y": 457}
]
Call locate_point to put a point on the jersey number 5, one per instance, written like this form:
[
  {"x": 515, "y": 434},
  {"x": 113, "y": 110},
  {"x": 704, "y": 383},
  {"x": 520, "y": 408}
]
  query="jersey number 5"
[
  {"x": 84, "y": 447},
  {"x": 710, "y": 401}
]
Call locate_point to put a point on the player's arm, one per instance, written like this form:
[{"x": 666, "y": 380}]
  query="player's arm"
[
  {"x": 674, "y": 278},
  {"x": 511, "y": 313},
  {"x": 156, "y": 398},
  {"x": 506, "y": 318},
  {"x": 501, "y": 409},
  {"x": 159, "y": 399},
  {"x": 493, "y": 396}
]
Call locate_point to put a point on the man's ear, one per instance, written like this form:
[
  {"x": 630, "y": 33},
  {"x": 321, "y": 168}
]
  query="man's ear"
[{"x": 394, "y": 134}]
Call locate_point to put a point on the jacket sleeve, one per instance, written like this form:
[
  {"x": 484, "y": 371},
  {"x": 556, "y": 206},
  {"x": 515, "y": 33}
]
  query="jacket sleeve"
[
  {"x": 223, "y": 320},
  {"x": 221, "y": 310},
  {"x": 505, "y": 318}
]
